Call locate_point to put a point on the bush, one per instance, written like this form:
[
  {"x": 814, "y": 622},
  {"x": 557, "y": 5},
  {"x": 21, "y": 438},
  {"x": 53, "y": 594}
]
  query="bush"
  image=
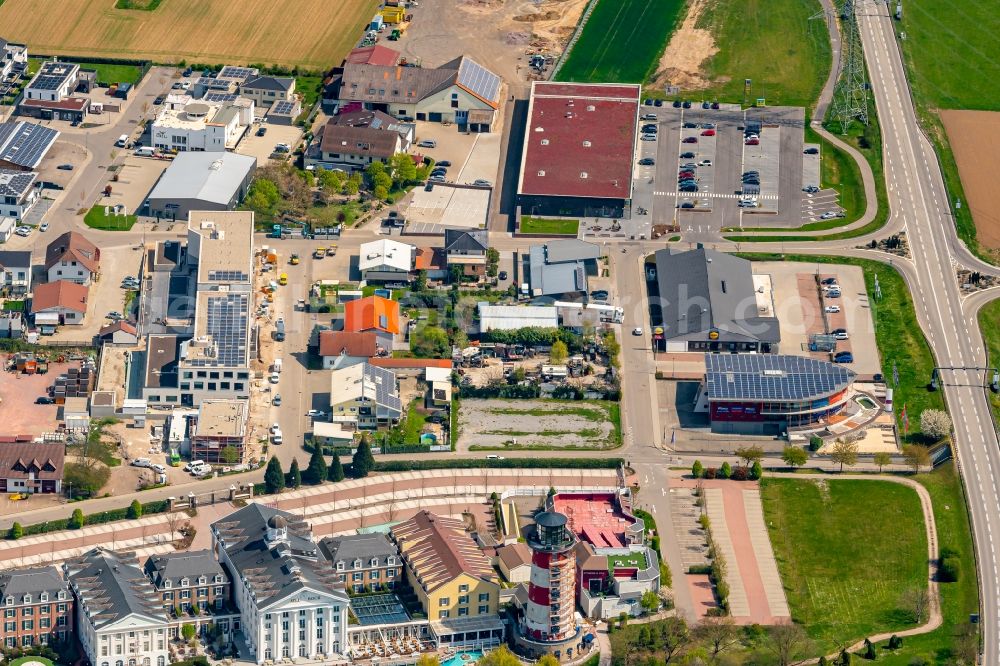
[
  {"x": 725, "y": 471},
  {"x": 815, "y": 443},
  {"x": 16, "y": 532},
  {"x": 739, "y": 474},
  {"x": 710, "y": 473},
  {"x": 76, "y": 520},
  {"x": 949, "y": 566},
  {"x": 756, "y": 471},
  {"x": 134, "y": 510},
  {"x": 697, "y": 469},
  {"x": 508, "y": 463}
]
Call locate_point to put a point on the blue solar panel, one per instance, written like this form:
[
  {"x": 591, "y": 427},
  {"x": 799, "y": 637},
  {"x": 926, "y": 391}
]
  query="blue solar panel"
[
  {"x": 220, "y": 97},
  {"x": 479, "y": 80},
  {"x": 283, "y": 107},
  {"x": 226, "y": 324},
  {"x": 25, "y": 144},
  {"x": 233, "y": 72},
  {"x": 772, "y": 377},
  {"x": 228, "y": 276}
]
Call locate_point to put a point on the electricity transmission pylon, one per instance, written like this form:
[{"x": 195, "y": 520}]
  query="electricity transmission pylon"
[{"x": 850, "y": 96}]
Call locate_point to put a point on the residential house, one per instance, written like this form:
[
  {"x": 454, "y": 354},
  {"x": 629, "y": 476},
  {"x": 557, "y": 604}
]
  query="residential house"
[
  {"x": 376, "y": 314},
  {"x": 220, "y": 424},
  {"x": 467, "y": 248},
  {"x": 119, "y": 615},
  {"x": 23, "y": 144},
  {"x": 60, "y": 302},
  {"x": 184, "y": 580},
  {"x": 365, "y": 397},
  {"x": 266, "y": 90},
  {"x": 7, "y": 227},
  {"x": 454, "y": 582},
  {"x": 386, "y": 261},
  {"x": 352, "y": 148},
  {"x": 283, "y": 586},
  {"x": 432, "y": 262},
  {"x": 15, "y": 272},
  {"x": 364, "y": 561},
  {"x": 18, "y": 193},
  {"x": 72, "y": 257},
  {"x": 461, "y": 91},
  {"x": 340, "y": 349},
  {"x": 438, "y": 382},
  {"x": 514, "y": 562},
  {"x": 120, "y": 332},
  {"x": 560, "y": 267},
  {"x": 37, "y": 607},
  {"x": 49, "y": 93},
  {"x": 27, "y": 467},
  {"x": 13, "y": 58}
]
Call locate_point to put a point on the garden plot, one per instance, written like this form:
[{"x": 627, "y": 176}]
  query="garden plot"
[{"x": 539, "y": 424}]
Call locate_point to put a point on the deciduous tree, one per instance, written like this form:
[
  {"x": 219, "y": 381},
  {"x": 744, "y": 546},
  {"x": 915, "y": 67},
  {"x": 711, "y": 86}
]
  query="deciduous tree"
[
  {"x": 844, "y": 453},
  {"x": 916, "y": 456},
  {"x": 881, "y": 459},
  {"x": 749, "y": 454},
  {"x": 935, "y": 423},
  {"x": 794, "y": 456}
]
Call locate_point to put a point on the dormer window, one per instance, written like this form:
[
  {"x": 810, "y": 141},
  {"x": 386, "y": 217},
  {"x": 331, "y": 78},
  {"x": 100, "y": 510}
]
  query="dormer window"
[
  {"x": 9, "y": 601},
  {"x": 391, "y": 561},
  {"x": 218, "y": 578},
  {"x": 357, "y": 564},
  {"x": 43, "y": 597},
  {"x": 340, "y": 566},
  {"x": 202, "y": 580},
  {"x": 185, "y": 582},
  {"x": 167, "y": 584},
  {"x": 61, "y": 595},
  {"x": 374, "y": 562},
  {"x": 27, "y": 598}
]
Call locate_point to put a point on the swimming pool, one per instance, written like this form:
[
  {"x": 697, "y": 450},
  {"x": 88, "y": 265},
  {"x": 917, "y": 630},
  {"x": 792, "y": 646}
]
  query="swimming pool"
[{"x": 463, "y": 659}]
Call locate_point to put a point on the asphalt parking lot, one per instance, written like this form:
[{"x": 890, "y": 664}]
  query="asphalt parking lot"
[
  {"x": 136, "y": 179},
  {"x": 262, "y": 147},
  {"x": 800, "y": 311}
]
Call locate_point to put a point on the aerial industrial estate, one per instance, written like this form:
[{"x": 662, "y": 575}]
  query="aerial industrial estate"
[{"x": 483, "y": 348}]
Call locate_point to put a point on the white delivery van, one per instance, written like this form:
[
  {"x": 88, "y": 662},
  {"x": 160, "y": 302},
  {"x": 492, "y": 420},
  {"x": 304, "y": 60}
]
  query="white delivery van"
[
  {"x": 146, "y": 151},
  {"x": 277, "y": 365},
  {"x": 122, "y": 141}
]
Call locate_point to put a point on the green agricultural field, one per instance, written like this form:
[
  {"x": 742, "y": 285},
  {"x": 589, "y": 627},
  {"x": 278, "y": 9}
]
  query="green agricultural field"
[
  {"x": 989, "y": 325},
  {"x": 844, "y": 564},
  {"x": 774, "y": 43},
  {"x": 953, "y": 57},
  {"x": 622, "y": 41}
]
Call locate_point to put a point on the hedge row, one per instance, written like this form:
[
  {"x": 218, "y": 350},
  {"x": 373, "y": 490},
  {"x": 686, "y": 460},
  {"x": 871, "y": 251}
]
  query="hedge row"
[{"x": 159, "y": 506}]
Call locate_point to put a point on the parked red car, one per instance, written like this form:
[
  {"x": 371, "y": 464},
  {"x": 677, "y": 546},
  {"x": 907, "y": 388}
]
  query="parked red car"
[
  {"x": 708, "y": 133},
  {"x": 691, "y": 139}
]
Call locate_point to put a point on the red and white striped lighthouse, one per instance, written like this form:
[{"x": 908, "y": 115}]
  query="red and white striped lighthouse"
[{"x": 549, "y": 613}]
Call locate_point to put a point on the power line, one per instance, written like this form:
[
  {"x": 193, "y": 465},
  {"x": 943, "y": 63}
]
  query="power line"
[{"x": 850, "y": 97}]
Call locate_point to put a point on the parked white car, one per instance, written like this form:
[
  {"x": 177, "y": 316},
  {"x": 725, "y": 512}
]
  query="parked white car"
[{"x": 831, "y": 309}]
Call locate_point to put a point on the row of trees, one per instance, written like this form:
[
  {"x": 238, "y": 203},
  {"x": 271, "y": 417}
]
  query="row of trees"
[{"x": 318, "y": 471}]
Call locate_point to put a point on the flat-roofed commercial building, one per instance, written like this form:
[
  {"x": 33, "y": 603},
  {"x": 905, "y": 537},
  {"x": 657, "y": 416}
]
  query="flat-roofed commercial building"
[{"x": 579, "y": 149}]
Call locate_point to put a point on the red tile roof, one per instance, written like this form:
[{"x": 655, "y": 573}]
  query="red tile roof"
[
  {"x": 373, "y": 55},
  {"x": 45, "y": 461},
  {"x": 333, "y": 343},
  {"x": 119, "y": 325},
  {"x": 580, "y": 128},
  {"x": 61, "y": 293},
  {"x": 429, "y": 258},
  {"x": 72, "y": 246},
  {"x": 372, "y": 313}
]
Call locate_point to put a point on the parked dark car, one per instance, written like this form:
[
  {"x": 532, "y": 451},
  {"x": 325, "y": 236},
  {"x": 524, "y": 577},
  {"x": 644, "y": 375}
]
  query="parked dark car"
[
  {"x": 647, "y": 102},
  {"x": 261, "y": 131},
  {"x": 647, "y": 161},
  {"x": 658, "y": 102},
  {"x": 690, "y": 139},
  {"x": 159, "y": 99},
  {"x": 811, "y": 151},
  {"x": 715, "y": 105},
  {"x": 502, "y": 275},
  {"x": 690, "y": 125},
  {"x": 687, "y": 204},
  {"x": 599, "y": 294},
  {"x": 65, "y": 167},
  {"x": 677, "y": 104},
  {"x": 687, "y": 156},
  {"x": 686, "y": 104},
  {"x": 44, "y": 400},
  {"x": 442, "y": 163},
  {"x": 843, "y": 357}
]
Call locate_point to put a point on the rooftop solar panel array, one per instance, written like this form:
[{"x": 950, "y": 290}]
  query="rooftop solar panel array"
[
  {"x": 226, "y": 324},
  {"x": 15, "y": 183},
  {"x": 220, "y": 97},
  {"x": 379, "y": 609},
  {"x": 479, "y": 80},
  {"x": 772, "y": 377},
  {"x": 233, "y": 72},
  {"x": 228, "y": 276},
  {"x": 25, "y": 144},
  {"x": 283, "y": 107}
]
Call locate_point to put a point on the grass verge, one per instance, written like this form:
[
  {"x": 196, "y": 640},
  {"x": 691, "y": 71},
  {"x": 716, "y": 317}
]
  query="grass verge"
[
  {"x": 544, "y": 225},
  {"x": 989, "y": 325},
  {"x": 96, "y": 218},
  {"x": 897, "y": 334},
  {"x": 786, "y": 55},
  {"x": 622, "y": 41},
  {"x": 844, "y": 577}
]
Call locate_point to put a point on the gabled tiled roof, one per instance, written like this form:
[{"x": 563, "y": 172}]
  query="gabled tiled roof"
[{"x": 72, "y": 246}]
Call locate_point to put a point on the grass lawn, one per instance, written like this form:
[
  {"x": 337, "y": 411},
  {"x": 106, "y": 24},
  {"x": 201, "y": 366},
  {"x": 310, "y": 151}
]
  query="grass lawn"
[
  {"x": 96, "y": 218},
  {"x": 109, "y": 73},
  {"x": 773, "y": 43},
  {"x": 412, "y": 423},
  {"x": 541, "y": 225},
  {"x": 846, "y": 551},
  {"x": 310, "y": 88},
  {"x": 622, "y": 41},
  {"x": 898, "y": 336},
  {"x": 989, "y": 325}
]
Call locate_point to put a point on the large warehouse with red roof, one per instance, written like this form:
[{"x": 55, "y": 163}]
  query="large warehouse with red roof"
[{"x": 579, "y": 149}]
